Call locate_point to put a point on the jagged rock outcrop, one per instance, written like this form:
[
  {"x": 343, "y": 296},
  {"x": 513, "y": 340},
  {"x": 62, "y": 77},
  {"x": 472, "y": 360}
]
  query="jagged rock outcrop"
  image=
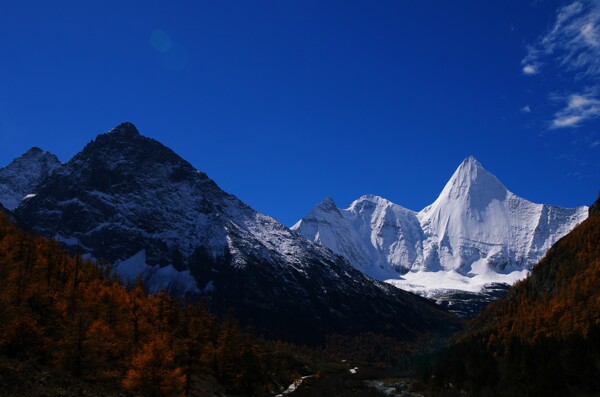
[{"x": 23, "y": 174}]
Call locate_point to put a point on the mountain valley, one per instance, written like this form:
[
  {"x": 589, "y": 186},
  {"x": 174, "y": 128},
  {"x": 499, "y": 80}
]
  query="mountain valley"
[
  {"x": 132, "y": 212},
  {"x": 130, "y": 201}
]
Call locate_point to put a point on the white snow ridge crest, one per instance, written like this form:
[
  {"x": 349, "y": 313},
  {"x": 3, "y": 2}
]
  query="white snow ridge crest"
[{"x": 477, "y": 232}]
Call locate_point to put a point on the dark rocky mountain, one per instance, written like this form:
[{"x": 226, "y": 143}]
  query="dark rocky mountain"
[
  {"x": 130, "y": 200},
  {"x": 23, "y": 174}
]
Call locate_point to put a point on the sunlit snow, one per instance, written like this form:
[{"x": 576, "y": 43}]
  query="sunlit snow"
[{"x": 475, "y": 233}]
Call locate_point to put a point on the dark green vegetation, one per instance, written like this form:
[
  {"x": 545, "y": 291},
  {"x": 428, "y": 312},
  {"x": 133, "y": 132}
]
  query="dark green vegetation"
[{"x": 542, "y": 339}]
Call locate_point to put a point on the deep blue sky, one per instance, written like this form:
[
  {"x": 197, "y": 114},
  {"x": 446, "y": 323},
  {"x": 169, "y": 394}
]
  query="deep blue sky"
[{"x": 285, "y": 102}]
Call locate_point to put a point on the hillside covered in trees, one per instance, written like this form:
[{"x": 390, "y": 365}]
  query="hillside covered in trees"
[
  {"x": 543, "y": 338},
  {"x": 67, "y": 327},
  {"x": 64, "y": 318}
]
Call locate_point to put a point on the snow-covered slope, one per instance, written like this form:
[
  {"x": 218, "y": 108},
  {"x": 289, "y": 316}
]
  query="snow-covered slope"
[
  {"x": 130, "y": 200},
  {"x": 377, "y": 236},
  {"x": 476, "y": 232},
  {"x": 21, "y": 176},
  {"x": 476, "y": 225}
]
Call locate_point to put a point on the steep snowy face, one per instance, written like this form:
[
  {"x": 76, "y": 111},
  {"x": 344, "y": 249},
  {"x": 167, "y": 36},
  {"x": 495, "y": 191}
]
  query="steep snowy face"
[
  {"x": 379, "y": 237},
  {"x": 477, "y": 226},
  {"x": 476, "y": 232},
  {"x": 473, "y": 185},
  {"x": 23, "y": 174},
  {"x": 128, "y": 199}
]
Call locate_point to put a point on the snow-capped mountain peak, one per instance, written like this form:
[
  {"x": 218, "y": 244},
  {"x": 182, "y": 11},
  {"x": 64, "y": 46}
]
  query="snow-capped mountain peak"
[
  {"x": 378, "y": 236},
  {"x": 475, "y": 232},
  {"x": 21, "y": 176},
  {"x": 472, "y": 182},
  {"x": 477, "y": 225}
]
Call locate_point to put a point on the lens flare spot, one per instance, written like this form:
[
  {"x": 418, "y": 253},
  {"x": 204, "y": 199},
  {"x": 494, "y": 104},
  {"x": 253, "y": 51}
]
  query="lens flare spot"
[{"x": 160, "y": 40}]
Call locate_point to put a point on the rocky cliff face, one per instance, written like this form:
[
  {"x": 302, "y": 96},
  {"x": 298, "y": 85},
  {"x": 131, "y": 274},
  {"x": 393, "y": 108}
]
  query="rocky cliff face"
[
  {"x": 128, "y": 199},
  {"x": 23, "y": 174}
]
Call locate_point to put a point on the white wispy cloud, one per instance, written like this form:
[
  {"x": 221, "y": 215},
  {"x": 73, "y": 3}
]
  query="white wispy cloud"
[
  {"x": 578, "y": 108},
  {"x": 573, "y": 42},
  {"x": 571, "y": 47},
  {"x": 526, "y": 109}
]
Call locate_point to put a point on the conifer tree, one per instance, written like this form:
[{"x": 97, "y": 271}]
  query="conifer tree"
[{"x": 153, "y": 372}]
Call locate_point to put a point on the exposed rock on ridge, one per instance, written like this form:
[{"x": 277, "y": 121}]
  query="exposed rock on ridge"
[{"x": 129, "y": 199}]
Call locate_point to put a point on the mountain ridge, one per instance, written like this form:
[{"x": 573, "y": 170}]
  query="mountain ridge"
[{"x": 130, "y": 200}]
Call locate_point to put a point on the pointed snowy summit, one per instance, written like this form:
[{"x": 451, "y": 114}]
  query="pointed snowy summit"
[
  {"x": 475, "y": 232},
  {"x": 472, "y": 180}
]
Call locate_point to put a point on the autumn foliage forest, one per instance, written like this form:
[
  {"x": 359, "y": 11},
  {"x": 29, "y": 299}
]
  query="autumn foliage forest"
[
  {"x": 68, "y": 314},
  {"x": 67, "y": 323}
]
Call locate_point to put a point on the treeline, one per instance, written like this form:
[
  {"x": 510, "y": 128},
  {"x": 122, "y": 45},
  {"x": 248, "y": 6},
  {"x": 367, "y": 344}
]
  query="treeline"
[
  {"x": 69, "y": 314},
  {"x": 542, "y": 339}
]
